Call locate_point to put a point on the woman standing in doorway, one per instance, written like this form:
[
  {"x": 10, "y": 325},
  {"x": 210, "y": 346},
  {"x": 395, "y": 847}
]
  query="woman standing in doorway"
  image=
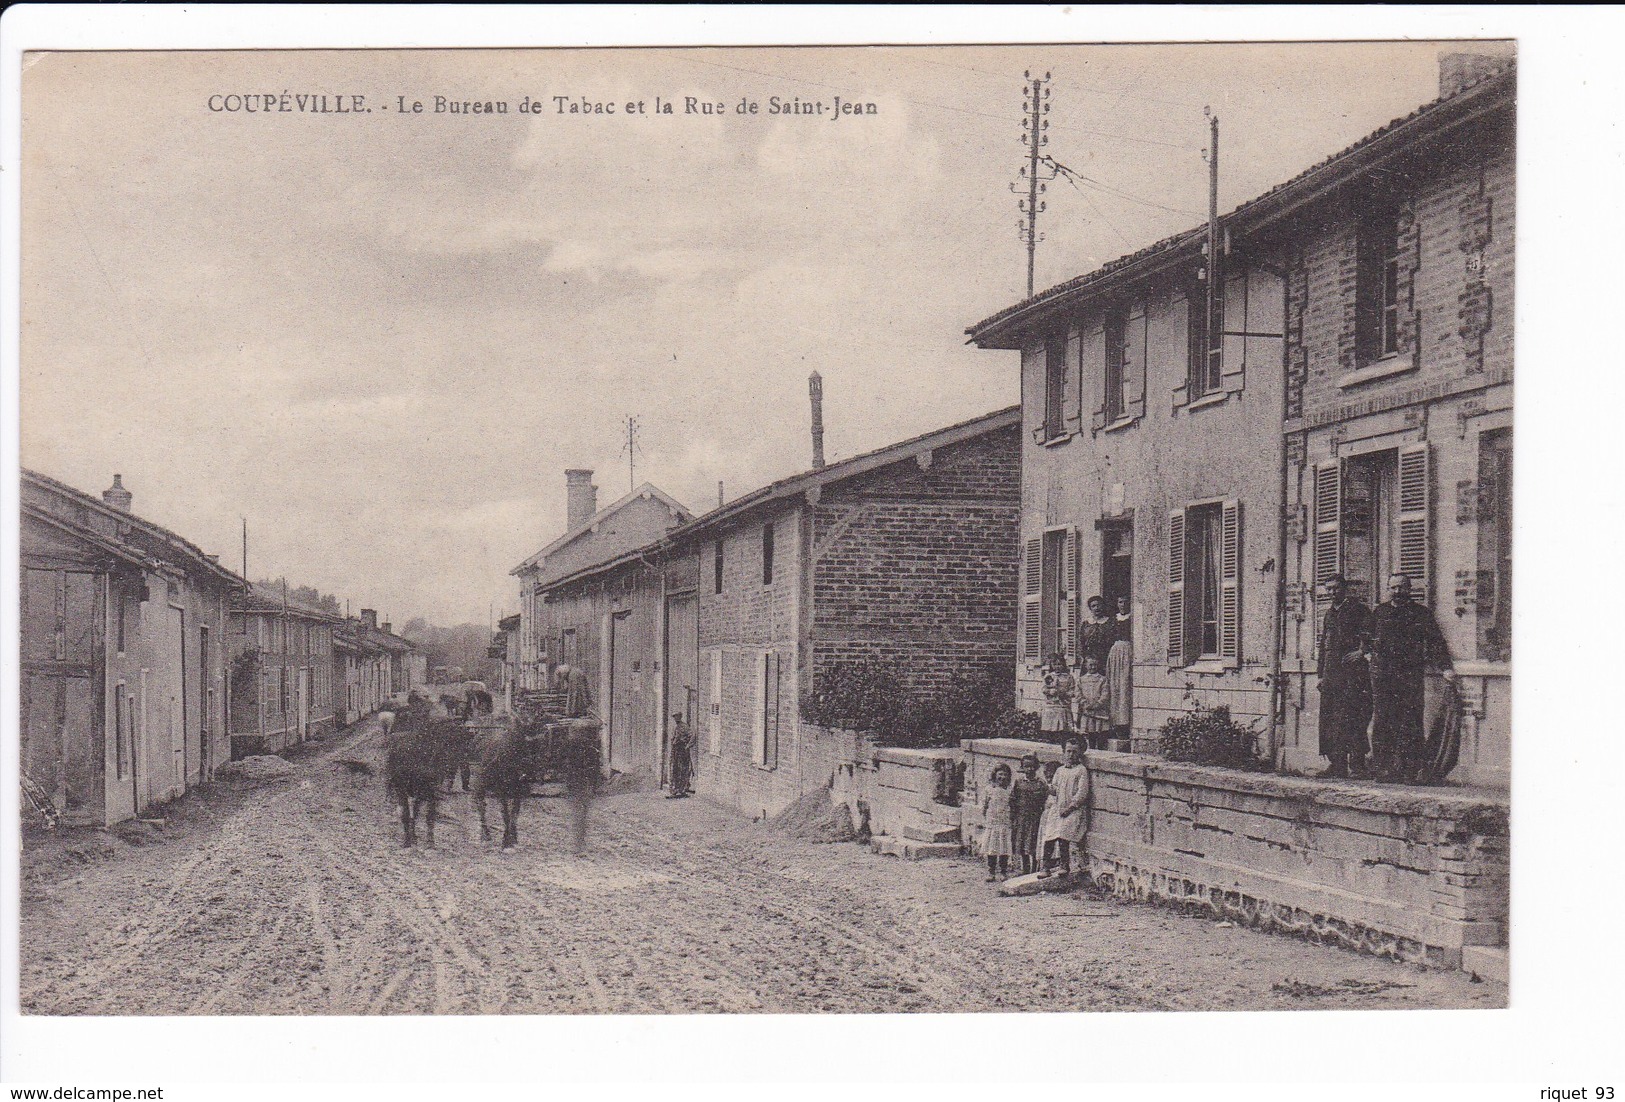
[{"x": 1120, "y": 672}]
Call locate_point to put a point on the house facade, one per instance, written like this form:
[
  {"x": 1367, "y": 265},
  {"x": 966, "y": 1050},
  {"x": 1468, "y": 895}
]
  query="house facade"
[
  {"x": 592, "y": 537},
  {"x": 1339, "y": 402},
  {"x": 281, "y": 672},
  {"x": 123, "y": 656}
]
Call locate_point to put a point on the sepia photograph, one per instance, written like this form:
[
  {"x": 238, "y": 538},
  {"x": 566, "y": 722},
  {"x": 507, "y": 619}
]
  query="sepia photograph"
[{"x": 871, "y": 529}]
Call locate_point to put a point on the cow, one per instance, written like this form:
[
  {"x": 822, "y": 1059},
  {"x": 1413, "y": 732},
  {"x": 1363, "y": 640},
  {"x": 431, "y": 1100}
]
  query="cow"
[{"x": 504, "y": 770}]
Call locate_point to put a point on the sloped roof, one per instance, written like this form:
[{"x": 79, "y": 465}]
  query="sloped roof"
[
  {"x": 1488, "y": 92},
  {"x": 184, "y": 547},
  {"x": 264, "y": 598},
  {"x": 647, "y": 489}
]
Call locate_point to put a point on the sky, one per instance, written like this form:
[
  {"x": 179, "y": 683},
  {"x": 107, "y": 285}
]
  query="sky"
[{"x": 382, "y": 337}]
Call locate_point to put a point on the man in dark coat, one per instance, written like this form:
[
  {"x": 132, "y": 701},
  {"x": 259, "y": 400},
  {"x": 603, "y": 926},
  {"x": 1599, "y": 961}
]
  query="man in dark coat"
[
  {"x": 1345, "y": 682},
  {"x": 1405, "y": 643}
]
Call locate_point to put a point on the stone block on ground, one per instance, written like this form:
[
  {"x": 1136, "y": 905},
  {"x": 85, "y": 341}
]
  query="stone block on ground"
[
  {"x": 1036, "y": 883},
  {"x": 1486, "y": 962},
  {"x": 931, "y": 833},
  {"x": 907, "y": 848}
]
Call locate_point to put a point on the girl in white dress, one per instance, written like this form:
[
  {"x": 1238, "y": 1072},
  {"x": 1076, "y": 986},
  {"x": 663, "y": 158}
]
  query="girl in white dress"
[{"x": 998, "y": 842}]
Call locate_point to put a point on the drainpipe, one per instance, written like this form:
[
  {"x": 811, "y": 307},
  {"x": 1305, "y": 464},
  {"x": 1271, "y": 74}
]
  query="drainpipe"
[{"x": 1277, "y": 728}]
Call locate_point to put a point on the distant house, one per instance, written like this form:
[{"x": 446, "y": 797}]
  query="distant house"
[
  {"x": 505, "y": 650},
  {"x": 281, "y": 671},
  {"x": 593, "y": 536},
  {"x": 124, "y": 627}
]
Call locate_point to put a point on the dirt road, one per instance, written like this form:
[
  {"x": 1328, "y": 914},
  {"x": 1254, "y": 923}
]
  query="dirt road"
[{"x": 300, "y": 900}]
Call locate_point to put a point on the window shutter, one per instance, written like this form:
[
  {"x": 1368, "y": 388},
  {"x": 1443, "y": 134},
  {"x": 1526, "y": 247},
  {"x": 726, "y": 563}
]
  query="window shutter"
[
  {"x": 1072, "y": 389},
  {"x": 1069, "y": 582},
  {"x": 1179, "y": 317},
  {"x": 1094, "y": 370},
  {"x": 771, "y": 720},
  {"x": 715, "y": 714},
  {"x": 1134, "y": 363},
  {"x": 758, "y": 725},
  {"x": 1328, "y": 510},
  {"x": 1414, "y": 487},
  {"x": 1031, "y": 621},
  {"x": 1176, "y": 587},
  {"x": 1233, "y": 345},
  {"x": 1230, "y": 583}
]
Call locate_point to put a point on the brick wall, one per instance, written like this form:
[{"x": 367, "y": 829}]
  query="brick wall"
[{"x": 916, "y": 564}]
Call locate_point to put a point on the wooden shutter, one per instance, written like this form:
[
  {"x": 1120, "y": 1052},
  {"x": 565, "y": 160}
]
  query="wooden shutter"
[
  {"x": 1230, "y": 582},
  {"x": 1414, "y": 488},
  {"x": 1072, "y": 385},
  {"x": 1233, "y": 327},
  {"x": 1328, "y": 515},
  {"x": 714, "y": 716},
  {"x": 1069, "y": 584},
  {"x": 770, "y": 718},
  {"x": 1134, "y": 342},
  {"x": 758, "y": 711},
  {"x": 1094, "y": 372},
  {"x": 1179, "y": 321},
  {"x": 1032, "y": 575},
  {"x": 1176, "y": 587}
]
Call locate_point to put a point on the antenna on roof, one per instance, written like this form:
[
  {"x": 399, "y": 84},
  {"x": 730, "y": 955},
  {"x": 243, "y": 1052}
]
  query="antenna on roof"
[{"x": 631, "y": 448}]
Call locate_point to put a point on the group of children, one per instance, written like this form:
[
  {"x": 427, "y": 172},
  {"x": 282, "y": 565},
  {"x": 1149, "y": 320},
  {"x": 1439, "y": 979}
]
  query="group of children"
[{"x": 1039, "y": 819}]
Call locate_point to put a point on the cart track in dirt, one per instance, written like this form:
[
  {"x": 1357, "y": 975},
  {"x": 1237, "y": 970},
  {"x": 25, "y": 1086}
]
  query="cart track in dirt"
[{"x": 303, "y": 901}]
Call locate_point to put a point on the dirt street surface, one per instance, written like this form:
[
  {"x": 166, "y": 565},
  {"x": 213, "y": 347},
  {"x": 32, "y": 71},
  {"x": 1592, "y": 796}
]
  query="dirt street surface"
[{"x": 297, "y": 898}]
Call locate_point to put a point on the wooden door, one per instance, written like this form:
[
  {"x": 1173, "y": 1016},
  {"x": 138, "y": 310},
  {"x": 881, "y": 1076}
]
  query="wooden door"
[
  {"x": 63, "y": 744},
  {"x": 681, "y": 666},
  {"x": 172, "y": 690},
  {"x": 622, "y": 689}
]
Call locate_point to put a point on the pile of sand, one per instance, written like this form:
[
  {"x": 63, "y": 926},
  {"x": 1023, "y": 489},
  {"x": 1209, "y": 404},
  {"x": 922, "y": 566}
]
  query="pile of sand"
[
  {"x": 257, "y": 769},
  {"x": 816, "y": 818}
]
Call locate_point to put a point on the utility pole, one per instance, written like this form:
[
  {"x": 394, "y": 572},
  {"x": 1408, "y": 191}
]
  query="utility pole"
[
  {"x": 245, "y": 549},
  {"x": 1035, "y": 107},
  {"x": 1215, "y": 290},
  {"x": 631, "y": 448}
]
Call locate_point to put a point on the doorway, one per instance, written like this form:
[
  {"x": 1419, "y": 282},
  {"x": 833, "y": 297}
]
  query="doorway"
[
  {"x": 681, "y": 671},
  {"x": 1369, "y": 523},
  {"x": 1116, "y": 563}
]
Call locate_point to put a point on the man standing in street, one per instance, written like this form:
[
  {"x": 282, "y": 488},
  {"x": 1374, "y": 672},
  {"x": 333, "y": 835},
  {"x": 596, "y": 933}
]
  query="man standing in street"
[
  {"x": 1405, "y": 643},
  {"x": 1345, "y": 682}
]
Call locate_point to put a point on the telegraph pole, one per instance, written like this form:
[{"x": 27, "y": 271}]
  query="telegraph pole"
[
  {"x": 631, "y": 448},
  {"x": 1035, "y": 106}
]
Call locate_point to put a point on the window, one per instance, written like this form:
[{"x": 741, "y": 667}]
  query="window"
[
  {"x": 1371, "y": 521},
  {"x": 123, "y": 610},
  {"x": 1055, "y": 385},
  {"x": 1116, "y": 364},
  {"x": 716, "y": 566},
  {"x": 1206, "y": 368},
  {"x": 1204, "y": 579},
  {"x": 767, "y": 554},
  {"x": 1377, "y": 291},
  {"x": 1049, "y": 599},
  {"x": 1495, "y": 545}
]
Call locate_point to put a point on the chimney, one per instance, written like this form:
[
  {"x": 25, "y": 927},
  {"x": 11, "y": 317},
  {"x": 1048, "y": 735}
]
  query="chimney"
[
  {"x": 388, "y": 628},
  {"x": 117, "y": 496},
  {"x": 580, "y": 498},
  {"x": 815, "y": 390},
  {"x": 1462, "y": 70},
  {"x": 369, "y": 618}
]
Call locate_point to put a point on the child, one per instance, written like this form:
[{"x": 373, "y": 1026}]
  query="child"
[
  {"x": 1094, "y": 704},
  {"x": 1027, "y": 799},
  {"x": 1046, "y": 824},
  {"x": 1056, "y": 714},
  {"x": 996, "y": 824},
  {"x": 1071, "y": 805}
]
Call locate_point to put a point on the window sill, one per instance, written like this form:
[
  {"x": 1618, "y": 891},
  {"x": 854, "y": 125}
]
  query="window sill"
[
  {"x": 1483, "y": 669},
  {"x": 1209, "y": 665},
  {"x": 1056, "y": 441},
  {"x": 1120, "y": 424},
  {"x": 1215, "y": 399},
  {"x": 1397, "y": 364}
]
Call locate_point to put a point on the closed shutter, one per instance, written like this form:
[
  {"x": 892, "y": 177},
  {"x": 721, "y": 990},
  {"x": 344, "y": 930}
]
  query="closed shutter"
[
  {"x": 1414, "y": 488},
  {"x": 1328, "y": 510},
  {"x": 1134, "y": 344},
  {"x": 770, "y": 718},
  {"x": 1072, "y": 384},
  {"x": 714, "y": 711},
  {"x": 1032, "y": 576},
  {"x": 758, "y": 711},
  {"x": 1069, "y": 583},
  {"x": 1094, "y": 372},
  {"x": 1179, "y": 322},
  {"x": 1233, "y": 324},
  {"x": 1176, "y": 587},
  {"x": 1230, "y": 583}
]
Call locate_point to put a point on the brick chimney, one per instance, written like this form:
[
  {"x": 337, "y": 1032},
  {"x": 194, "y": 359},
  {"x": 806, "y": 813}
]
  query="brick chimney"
[
  {"x": 388, "y": 628},
  {"x": 580, "y": 498},
  {"x": 815, "y": 391},
  {"x": 1458, "y": 70},
  {"x": 369, "y": 618},
  {"x": 117, "y": 496}
]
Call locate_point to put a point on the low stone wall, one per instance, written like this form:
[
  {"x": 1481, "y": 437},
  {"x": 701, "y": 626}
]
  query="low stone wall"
[
  {"x": 1412, "y": 873},
  {"x": 1416, "y": 874},
  {"x": 981, "y": 756}
]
